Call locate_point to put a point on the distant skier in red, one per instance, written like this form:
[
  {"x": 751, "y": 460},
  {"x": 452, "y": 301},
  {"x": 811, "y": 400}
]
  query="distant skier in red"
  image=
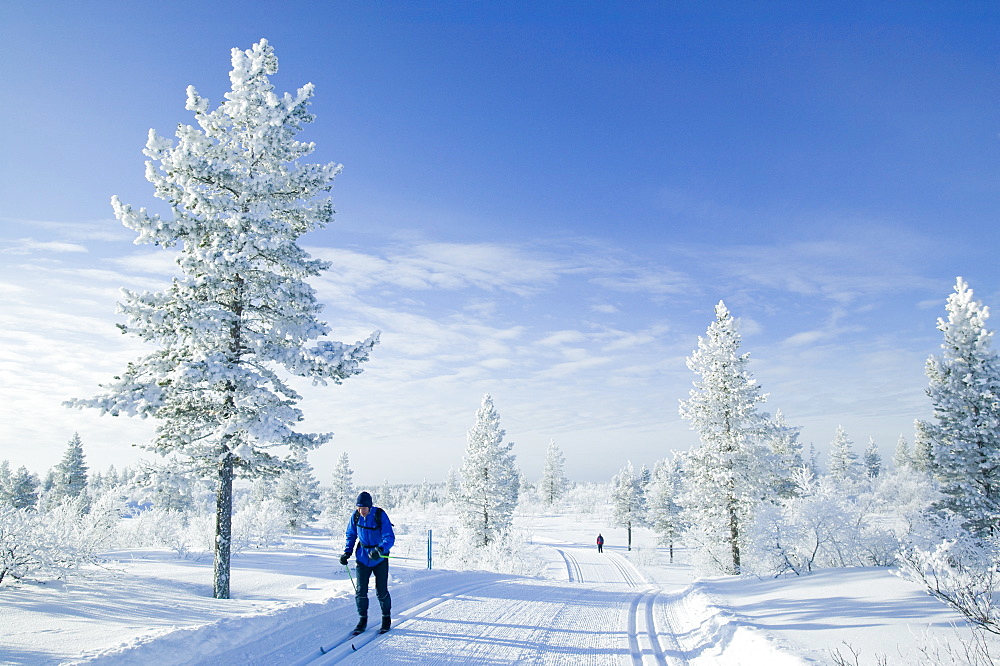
[{"x": 600, "y": 544}]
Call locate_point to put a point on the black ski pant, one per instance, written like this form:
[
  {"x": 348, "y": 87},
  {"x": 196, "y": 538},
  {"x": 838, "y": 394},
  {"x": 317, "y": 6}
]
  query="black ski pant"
[{"x": 381, "y": 571}]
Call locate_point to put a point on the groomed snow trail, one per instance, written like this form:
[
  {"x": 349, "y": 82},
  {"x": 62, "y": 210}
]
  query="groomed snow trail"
[{"x": 605, "y": 614}]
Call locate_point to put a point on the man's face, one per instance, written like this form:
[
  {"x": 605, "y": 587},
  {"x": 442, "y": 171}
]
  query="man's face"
[{"x": 363, "y": 510}]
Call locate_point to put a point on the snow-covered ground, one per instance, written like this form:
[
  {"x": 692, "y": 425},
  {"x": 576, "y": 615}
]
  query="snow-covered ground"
[{"x": 618, "y": 607}]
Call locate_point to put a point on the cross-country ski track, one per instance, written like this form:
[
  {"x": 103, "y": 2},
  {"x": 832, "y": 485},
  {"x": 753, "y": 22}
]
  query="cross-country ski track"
[{"x": 606, "y": 613}]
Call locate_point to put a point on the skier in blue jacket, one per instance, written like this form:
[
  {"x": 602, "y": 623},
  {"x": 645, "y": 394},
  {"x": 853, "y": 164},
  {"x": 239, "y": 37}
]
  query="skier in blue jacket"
[{"x": 371, "y": 528}]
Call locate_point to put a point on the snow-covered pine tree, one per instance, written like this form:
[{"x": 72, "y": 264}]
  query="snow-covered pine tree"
[
  {"x": 49, "y": 481},
  {"x": 872, "y": 460},
  {"x": 844, "y": 464},
  {"x": 662, "y": 508},
  {"x": 787, "y": 452},
  {"x": 111, "y": 478},
  {"x": 645, "y": 475},
  {"x": 71, "y": 473},
  {"x": 343, "y": 495},
  {"x": 425, "y": 495},
  {"x": 553, "y": 483},
  {"x": 490, "y": 479},
  {"x": 6, "y": 479},
  {"x": 628, "y": 499},
  {"x": 964, "y": 436},
  {"x": 812, "y": 461},
  {"x": 902, "y": 458},
  {"x": 241, "y": 310},
  {"x": 726, "y": 477},
  {"x": 922, "y": 458},
  {"x": 453, "y": 487},
  {"x": 23, "y": 489},
  {"x": 96, "y": 483},
  {"x": 298, "y": 491},
  {"x": 384, "y": 496}
]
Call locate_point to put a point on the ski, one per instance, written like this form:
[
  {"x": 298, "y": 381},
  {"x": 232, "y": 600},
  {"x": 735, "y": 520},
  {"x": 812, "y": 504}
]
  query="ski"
[{"x": 334, "y": 646}]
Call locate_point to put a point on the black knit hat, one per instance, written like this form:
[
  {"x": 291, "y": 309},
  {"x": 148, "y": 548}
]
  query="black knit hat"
[{"x": 364, "y": 499}]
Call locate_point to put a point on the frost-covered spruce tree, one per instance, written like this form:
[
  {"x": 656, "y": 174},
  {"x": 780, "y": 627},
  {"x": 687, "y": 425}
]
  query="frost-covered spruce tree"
[
  {"x": 872, "y": 460},
  {"x": 71, "y": 473},
  {"x": 645, "y": 475},
  {"x": 342, "y": 493},
  {"x": 453, "y": 486},
  {"x": 298, "y": 491},
  {"x": 922, "y": 459},
  {"x": 844, "y": 464},
  {"x": 726, "y": 477},
  {"x": 490, "y": 479},
  {"x": 384, "y": 496},
  {"x": 553, "y": 483},
  {"x": 5, "y": 482},
  {"x": 628, "y": 499},
  {"x": 662, "y": 507},
  {"x": 23, "y": 490},
  {"x": 964, "y": 436},
  {"x": 241, "y": 311},
  {"x": 902, "y": 458},
  {"x": 787, "y": 452}
]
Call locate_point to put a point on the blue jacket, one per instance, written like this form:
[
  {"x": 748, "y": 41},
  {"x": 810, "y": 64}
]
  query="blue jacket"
[{"x": 368, "y": 535}]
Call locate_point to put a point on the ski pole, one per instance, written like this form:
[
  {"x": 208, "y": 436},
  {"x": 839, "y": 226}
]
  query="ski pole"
[{"x": 351, "y": 576}]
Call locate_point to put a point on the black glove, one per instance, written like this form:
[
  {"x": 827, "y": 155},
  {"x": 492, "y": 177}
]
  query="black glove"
[
  {"x": 375, "y": 553},
  {"x": 344, "y": 558}
]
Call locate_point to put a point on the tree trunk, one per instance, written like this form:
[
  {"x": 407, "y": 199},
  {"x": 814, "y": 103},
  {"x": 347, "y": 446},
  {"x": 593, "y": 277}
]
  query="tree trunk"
[
  {"x": 630, "y": 536},
  {"x": 223, "y": 527},
  {"x": 224, "y": 494},
  {"x": 734, "y": 534}
]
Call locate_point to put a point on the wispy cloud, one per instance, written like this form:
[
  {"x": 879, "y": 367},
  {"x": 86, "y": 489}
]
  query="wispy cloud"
[
  {"x": 161, "y": 263},
  {"x": 31, "y": 246},
  {"x": 109, "y": 230},
  {"x": 447, "y": 266}
]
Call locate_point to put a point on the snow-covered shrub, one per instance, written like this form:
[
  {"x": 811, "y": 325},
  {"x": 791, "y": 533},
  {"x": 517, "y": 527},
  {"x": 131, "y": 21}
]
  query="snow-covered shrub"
[
  {"x": 823, "y": 526},
  {"x": 183, "y": 533},
  {"x": 979, "y": 649},
  {"x": 589, "y": 498},
  {"x": 200, "y": 532},
  {"x": 963, "y": 572},
  {"x": 530, "y": 502},
  {"x": 646, "y": 556},
  {"x": 99, "y": 528},
  {"x": 905, "y": 495},
  {"x": 506, "y": 554},
  {"x": 334, "y": 519},
  {"x": 259, "y": 525},
  {"x": 50, "y": 544},
  {"x": 24, "y": 544}
]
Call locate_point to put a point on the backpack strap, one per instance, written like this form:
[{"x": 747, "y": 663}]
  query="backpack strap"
[{"x": 378, "y": 523}]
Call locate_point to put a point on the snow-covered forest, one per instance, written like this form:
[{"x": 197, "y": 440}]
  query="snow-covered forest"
[{"x": 231, "y": 475}]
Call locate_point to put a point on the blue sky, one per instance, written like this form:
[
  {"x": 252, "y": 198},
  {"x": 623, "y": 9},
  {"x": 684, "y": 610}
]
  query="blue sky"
[{"x": 543, "y": 201}]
